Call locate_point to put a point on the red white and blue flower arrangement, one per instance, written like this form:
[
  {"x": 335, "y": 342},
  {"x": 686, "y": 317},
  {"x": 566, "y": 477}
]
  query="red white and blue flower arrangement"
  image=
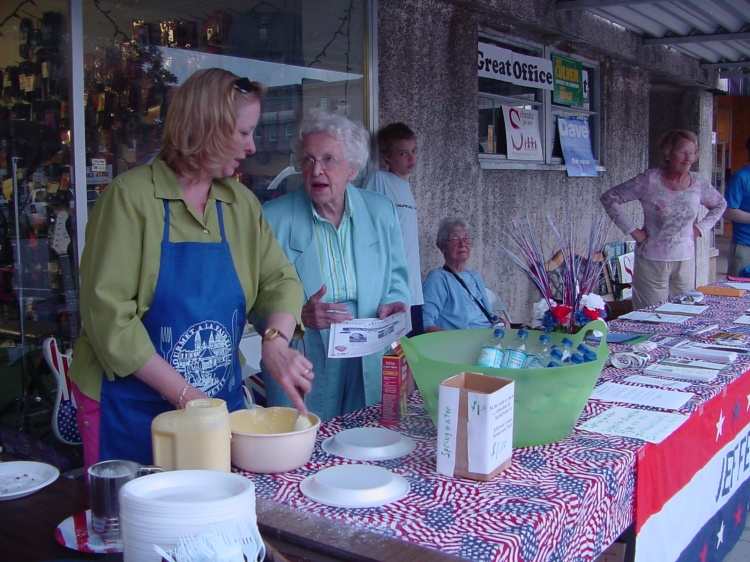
[{"x": 580, "y": 274}]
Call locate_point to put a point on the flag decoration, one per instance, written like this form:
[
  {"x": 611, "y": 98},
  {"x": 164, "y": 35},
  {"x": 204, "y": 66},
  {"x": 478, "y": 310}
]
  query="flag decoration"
[
  {"x": 687, "y": 497},
  {"x": 580, "y": 273}
]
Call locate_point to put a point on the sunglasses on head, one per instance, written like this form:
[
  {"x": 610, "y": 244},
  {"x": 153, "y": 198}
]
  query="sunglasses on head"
[{"x": 244, "y": 85}]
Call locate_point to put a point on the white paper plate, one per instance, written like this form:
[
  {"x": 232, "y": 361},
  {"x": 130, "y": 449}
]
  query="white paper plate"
[
  {"x": 355, "y": 485},
  {"x": 369, "y": 444},
  {"x": 186, "y": 489},
  {"x": 21, "y": 478}
]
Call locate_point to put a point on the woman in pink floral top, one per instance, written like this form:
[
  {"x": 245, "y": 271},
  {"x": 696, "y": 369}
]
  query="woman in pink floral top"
[{"x": 671, "y": 197}]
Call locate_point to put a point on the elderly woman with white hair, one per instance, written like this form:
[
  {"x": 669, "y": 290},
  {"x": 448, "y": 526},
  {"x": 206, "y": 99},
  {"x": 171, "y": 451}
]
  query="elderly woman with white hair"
[
  {"x": 346, "y": 246},
  {"x": 455, "y": 297}
]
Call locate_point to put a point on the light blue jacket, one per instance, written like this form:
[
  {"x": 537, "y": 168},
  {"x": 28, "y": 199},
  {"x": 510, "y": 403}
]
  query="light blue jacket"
[{"x": 379, "y": 260}]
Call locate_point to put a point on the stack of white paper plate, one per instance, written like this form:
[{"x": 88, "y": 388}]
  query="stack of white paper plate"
[{"x": 159, "y": 509}]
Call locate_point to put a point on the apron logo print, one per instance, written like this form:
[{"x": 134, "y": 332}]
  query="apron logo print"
[{"x": 203, "y": 355}]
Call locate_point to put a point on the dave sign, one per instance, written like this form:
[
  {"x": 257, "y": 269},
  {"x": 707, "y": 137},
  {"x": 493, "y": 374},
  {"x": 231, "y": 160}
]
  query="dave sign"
[
  {"x": 522, "y": 133},
  {"x": 575, "y": 139}
]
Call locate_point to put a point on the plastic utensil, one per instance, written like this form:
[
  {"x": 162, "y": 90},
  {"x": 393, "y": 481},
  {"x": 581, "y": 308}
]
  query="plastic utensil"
[{"x": 302, "y": 422}]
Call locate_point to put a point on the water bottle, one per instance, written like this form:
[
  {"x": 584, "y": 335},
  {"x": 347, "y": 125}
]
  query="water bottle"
[
  {"x": 540, "y": 359},
  {"x": 515, "y": 356},
  {"x": 567, "y": 349},
  {"x": 521, "y": 336},
  {"x": 555, "y": 358},
  {"x": 492, "y": 353},
  {"x": 550, "y": 355},
  {"x": 576, "y": 358},
  {"x": 588, "y": 353}
]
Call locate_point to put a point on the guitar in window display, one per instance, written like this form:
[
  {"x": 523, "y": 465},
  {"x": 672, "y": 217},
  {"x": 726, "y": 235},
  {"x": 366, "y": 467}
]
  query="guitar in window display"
[{"x": 60, "y": 243}]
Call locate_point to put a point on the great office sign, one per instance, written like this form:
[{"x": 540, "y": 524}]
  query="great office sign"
[{"x": 508, "y": 66}]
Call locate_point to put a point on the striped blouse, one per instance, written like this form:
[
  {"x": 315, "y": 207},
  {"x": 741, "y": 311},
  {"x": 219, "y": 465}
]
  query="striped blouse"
[{"x": 336, "y": 254}]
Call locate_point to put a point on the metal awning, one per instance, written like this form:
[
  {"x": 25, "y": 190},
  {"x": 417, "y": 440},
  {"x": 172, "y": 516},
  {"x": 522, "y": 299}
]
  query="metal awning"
[{"x": 717, "y": 32}]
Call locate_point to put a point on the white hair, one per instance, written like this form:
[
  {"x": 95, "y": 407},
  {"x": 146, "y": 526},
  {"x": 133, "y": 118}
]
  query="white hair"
[
  {"x": 353, "y": 137},
  {"x": 446, "y": 227}
]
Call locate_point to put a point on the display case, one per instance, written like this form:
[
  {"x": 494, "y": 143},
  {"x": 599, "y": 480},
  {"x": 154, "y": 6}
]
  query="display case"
[
  {"x": 84, "y": 90},
  {"x": 38, "y": 282}
]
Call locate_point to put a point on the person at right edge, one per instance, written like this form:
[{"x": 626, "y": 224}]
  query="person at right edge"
[
  {"x": 738, "y": 211},
  {"x": 671, "y": 197}
]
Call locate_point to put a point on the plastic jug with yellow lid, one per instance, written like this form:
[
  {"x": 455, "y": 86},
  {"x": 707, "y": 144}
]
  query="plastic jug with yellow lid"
[{"x": 197, "y": 437}]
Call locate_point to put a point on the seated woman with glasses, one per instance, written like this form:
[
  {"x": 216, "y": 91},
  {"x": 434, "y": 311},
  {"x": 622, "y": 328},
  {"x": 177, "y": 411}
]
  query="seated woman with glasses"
[
  {"x": 346, "y": 245},
  {"x": 455, "y": 297}
]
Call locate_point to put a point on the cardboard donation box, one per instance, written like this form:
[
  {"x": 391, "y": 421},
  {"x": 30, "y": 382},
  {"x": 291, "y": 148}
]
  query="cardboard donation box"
[
  {"x": 396, "y": 377},
  {"x": 475, "y": 426}
]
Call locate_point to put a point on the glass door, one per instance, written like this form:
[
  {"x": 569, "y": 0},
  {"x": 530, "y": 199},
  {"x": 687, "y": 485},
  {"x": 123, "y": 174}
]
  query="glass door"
[{"x": 38, "y": 281}]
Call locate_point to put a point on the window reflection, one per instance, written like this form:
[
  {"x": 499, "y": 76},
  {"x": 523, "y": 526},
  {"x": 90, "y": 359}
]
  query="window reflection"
[
  {"x": 308, "y": 54},
  {"x": 38, "y": 294}
]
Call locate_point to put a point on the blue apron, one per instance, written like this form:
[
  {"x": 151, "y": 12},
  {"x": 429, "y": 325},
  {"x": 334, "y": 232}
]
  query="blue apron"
[{"x": 195, "y": 323}]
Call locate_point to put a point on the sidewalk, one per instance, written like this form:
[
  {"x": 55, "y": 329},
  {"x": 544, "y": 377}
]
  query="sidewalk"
[{"x": 741, "y": 552}]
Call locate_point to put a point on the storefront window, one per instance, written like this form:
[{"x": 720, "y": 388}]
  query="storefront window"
[
  {"x": 506, "y": 84},
  {"x": 308, "y": 54},
  {"x": 586, "y": 108},
  {"x": 38, "y": 294},
  {"x": 523, "y": 88}
]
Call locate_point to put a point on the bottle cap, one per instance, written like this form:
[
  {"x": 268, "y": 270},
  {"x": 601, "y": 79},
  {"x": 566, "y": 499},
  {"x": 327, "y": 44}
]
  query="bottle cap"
[
  {"x": 544, "y": 338},
  {"x": 567, "y": 342}
]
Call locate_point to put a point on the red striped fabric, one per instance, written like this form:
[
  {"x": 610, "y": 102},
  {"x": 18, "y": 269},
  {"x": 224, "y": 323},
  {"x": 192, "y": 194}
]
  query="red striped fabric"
[{"x": 664, "y": 469}]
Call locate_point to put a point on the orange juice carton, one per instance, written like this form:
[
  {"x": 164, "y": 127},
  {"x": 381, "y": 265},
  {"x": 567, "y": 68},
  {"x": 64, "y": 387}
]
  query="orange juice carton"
[{"x": 396, "y": 377}]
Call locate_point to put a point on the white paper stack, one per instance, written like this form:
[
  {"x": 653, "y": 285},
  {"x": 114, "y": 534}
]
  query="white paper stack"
[
  {"x": 681, "y": 372},
  {"x": 160, "y": 509},
  {"x": 687, "y": 309},
  {"x": 654, "y": 317},
  {"x": 658, "y": 398},
  {"x": 696, "y": 351}
]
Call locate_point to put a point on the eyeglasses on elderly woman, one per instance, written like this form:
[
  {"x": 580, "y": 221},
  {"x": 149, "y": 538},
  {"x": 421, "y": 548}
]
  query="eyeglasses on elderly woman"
[
  {"x": 459, "y": 240},
  {"x": 327, "y": 162}
]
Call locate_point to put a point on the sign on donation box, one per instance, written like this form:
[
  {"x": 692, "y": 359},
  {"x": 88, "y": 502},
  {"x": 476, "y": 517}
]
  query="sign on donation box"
[
  {"x": 522, "y": 136},
  {"x": 475, "y": 426},
  {"x": 568, "y": 81},
  {"x": 575, "y": 140}
]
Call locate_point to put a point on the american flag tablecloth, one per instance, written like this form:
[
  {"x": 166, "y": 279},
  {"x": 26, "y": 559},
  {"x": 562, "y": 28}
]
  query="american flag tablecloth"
[
  {"x": 563, "y": 502},
  {"x": 693, "y": 489}
]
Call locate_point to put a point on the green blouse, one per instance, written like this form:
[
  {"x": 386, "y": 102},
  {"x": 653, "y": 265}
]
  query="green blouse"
[{"x": 120, "y": 265}]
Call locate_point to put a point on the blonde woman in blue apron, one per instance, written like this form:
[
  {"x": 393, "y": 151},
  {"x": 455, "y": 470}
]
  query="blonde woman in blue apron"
[{"x": 177, "y": 255}]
